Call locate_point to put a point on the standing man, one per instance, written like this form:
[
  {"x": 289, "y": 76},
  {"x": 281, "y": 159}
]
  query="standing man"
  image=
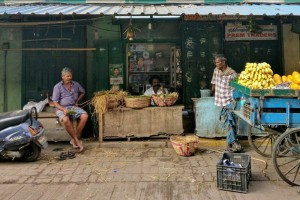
[
  {"x": 222, "y": 91},
  {"x": 66, "y": 95}
]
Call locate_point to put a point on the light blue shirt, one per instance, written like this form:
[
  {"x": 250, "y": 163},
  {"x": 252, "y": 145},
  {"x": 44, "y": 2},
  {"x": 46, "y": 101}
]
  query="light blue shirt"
[{"x": 65, "y": 97}]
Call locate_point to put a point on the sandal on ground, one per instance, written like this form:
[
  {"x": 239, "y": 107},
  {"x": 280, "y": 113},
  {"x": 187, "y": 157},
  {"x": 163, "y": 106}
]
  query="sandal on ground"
[
  {"x": 58, "y": 149},
  {"x": 71, "y": 154},
  {"x": 63, "y": 156},
  {"x": 234, "y": 148}
]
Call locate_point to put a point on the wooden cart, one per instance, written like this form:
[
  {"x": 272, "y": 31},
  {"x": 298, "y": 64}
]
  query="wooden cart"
[{"x": 274, "y": 131}]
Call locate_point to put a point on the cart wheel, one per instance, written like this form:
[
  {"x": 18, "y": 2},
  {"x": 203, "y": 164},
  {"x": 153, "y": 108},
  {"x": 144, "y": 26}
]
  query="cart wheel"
[
  {"x": 286, "y": 156},
  {"x": 262, "y": 139}
]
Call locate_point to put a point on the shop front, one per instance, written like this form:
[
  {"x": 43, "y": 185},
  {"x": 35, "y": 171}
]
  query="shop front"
[
  {"x": 153, "y": 49},
  {"x": 181, "y": 51},
  {"x": 241, "y": 40},
  {"x": 108, "y": 44}
]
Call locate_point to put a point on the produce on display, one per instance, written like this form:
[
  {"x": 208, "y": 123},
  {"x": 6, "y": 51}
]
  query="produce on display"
[
  {"x": 108, "y": 99},
  {"x": 295, "y": 78},
  {"x": 257, "y": 76},
  {"x": 290, "y": 81},
  {"x": 165, "y": 99},
  {"x": 260, "y": 76}
]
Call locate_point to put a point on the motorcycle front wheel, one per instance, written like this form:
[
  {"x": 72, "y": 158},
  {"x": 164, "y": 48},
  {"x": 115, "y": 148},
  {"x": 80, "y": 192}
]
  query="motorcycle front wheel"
[{"x": 31, "y": 153}]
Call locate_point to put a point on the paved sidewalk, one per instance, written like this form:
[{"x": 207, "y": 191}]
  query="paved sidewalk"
[{"x": 137, "y": 170}]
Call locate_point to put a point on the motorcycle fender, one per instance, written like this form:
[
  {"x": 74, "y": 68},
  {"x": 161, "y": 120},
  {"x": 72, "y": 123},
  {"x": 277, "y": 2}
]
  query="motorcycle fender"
[{"x": 41, "y": 142}]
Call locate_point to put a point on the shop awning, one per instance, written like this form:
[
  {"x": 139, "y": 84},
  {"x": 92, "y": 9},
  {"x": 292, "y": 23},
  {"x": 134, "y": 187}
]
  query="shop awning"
[{"x": 160, "y": 10}]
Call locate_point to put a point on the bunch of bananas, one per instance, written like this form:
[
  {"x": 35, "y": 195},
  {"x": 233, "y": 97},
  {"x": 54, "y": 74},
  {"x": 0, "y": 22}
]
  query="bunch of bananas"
[{"x": 257, "y": 76}]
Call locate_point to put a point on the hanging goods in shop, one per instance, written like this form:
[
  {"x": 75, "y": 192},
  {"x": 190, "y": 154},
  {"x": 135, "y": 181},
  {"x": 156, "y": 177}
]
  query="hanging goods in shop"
[{"x": 130, "y": 31}]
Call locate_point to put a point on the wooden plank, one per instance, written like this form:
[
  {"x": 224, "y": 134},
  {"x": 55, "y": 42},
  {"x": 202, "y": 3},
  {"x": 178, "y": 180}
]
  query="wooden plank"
[
  {"x": 53, "y": 49},
  {"x": 100, "y": 123},
  {"x": 142, "y": 122},
  {"x": 265, "y": 92}
]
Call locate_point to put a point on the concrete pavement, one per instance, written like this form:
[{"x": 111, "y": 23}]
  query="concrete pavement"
[{"x": 134, "y": 170}]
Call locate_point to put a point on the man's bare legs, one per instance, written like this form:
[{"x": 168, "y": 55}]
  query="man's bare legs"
[
  {"x": 81, "y": 125},
  {"x": 72, "y": 133},
  {"x": 79, "y": 128}
]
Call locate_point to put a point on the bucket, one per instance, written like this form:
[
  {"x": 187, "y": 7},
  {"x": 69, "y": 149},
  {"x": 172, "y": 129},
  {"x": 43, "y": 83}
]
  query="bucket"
[{"x": 205, "y": 93}]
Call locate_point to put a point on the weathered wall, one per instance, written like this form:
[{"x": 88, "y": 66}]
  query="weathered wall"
[
  {"x": 107, "y": 33},
  {"x": 291, "y": 49},
  {"x": 13, "y": 36}
]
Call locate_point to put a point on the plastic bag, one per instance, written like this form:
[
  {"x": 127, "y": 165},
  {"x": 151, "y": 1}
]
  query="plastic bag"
[{"x": 39, "y": 105}]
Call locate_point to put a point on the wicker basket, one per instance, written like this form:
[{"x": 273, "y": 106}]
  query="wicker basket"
[
  {"x": 137, "y": 102},
  {"x": 184, "y": 145},
  {"x": 164, "y": 100}
]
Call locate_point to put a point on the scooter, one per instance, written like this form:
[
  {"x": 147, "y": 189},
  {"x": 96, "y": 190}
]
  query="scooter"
[{"x": 21, "y": 135}]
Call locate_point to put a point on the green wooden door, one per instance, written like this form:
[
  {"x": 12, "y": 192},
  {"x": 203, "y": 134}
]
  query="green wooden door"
[
  {"x": 42, "y": 69},
  {"x": 116, "y": 57},
  {"x": 106, "y": 53},
  {"x": 239, "y": 53},
  {"x": 100, "y": 67},
  {"x": 267, "y": 51},
  {"x": 201, "y": 42}
]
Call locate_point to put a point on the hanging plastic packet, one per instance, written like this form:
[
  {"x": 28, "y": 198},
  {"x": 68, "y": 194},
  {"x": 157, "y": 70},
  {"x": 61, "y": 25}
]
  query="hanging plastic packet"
[{"x": 231, "y": 172}]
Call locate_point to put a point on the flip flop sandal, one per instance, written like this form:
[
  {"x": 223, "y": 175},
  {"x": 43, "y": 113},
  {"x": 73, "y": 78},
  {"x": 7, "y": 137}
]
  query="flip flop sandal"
[
  {"x": 58, "y": 149},
  {"x": 71, "y": 154},
  {"x": 63, "y": 156}
]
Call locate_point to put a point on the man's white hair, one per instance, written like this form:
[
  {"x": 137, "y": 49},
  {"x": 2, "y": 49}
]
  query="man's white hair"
[
  {"x": 220, "y": 57},
  {"x": 65, "y": 70}
]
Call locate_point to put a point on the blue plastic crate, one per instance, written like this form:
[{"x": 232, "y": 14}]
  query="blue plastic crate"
[{"x": 234, "y": 178}]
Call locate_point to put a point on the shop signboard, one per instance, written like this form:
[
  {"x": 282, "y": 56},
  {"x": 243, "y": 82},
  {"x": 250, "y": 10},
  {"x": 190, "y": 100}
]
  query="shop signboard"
[
  {"x": 116, "y": 74},
  {"x": 242, "y": 32}
]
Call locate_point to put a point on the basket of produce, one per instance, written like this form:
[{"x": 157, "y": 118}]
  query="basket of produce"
[
  {"x": 184, "y": 145},
  {"x": 137, "y": 101},
  {"x": 108, "y": 99},
  {"x": 258, "y": 80},
  {"x": 165, "y": 99},
  {"x": 113, "y": 101}
]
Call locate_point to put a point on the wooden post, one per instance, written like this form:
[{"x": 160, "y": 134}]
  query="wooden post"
[{"x": 100, "y": 122}]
